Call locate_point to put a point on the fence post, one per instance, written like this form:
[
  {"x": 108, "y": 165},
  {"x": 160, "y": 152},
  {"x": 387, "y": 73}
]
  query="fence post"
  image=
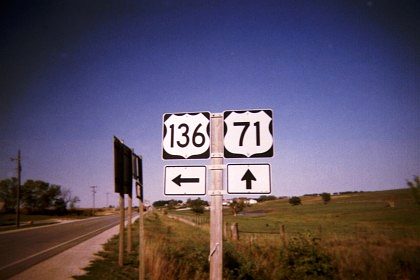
[
  {"x": 225, "y": 231},
  {"x": 283, "y": 236},
  {"x": 235, "y": 232}
]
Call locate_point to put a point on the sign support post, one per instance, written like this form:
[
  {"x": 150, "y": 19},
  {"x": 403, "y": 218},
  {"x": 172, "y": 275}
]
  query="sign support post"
[
  {"x": 129, "y": 222},
  {"x": 216, "y": 189},
  {"x": 121, "y": 235},
  {"x": 141, "y": 240}
]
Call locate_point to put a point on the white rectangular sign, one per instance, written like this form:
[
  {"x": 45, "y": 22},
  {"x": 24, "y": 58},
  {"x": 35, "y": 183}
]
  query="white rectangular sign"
[
  {"x": 185, "y": 180},
  {"x": 248, "y": 178}
]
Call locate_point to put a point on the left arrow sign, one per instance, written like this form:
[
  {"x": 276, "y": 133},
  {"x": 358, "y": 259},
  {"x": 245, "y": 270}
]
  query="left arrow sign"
[
  {"x": 185, "y": 180},
  {"x": 179, "y": 180}
]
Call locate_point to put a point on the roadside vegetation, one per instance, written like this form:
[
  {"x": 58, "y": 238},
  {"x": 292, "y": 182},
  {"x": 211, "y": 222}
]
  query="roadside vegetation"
[
  {"x": 36, "y": 197},
  {"x": 371, "y": 235}
]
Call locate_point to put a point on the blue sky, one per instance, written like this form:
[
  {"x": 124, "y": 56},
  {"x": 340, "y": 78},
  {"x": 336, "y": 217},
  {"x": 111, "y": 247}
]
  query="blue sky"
[{"x": 340, "y": 76}]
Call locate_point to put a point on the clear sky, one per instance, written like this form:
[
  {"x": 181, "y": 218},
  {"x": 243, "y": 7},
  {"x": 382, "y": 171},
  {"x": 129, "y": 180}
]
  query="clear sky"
[{"x": 342, "y": 79}]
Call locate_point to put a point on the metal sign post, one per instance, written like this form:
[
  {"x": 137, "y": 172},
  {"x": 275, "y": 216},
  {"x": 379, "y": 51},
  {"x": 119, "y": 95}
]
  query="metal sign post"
[{"x": 216, "y": 189}]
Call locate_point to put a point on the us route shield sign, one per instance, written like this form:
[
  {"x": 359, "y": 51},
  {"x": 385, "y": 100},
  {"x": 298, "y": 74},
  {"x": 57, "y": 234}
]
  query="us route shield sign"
[
  {"x": 248, "y": 178},
  {"x": 185, "y": 180},
  {"x": 186, "y": 136},
  {"x": 248, "y": 134}
]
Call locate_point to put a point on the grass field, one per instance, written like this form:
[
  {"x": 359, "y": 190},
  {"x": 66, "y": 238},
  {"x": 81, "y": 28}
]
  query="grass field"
[{"x": 371, "y": 235}]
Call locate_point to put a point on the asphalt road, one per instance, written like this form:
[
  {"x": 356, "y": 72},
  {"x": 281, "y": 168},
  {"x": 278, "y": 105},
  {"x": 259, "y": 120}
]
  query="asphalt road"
[{"x": 20, "y": 250}]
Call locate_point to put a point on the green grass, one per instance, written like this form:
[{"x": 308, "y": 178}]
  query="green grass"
[
  {"x": 342, "y": 216},
  {"x": 355, "y": 236}
]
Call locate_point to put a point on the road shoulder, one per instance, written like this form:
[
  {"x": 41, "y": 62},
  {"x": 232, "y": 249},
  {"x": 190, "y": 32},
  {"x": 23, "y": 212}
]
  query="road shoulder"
[{"x": 70, "y": 262}]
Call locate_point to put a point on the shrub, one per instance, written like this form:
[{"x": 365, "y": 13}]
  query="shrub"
[
  {"x": 326, "y": 197},
  {"x": 415, "y": 188},
  {"x": 303, "y": 258},
  {"x": 294, "y": 200}
]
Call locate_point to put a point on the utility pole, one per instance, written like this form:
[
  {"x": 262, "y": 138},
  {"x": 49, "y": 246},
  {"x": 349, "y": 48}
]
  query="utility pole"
[
  {"x": 19, "y": 170},
  {"x": 93, "y": 195}
]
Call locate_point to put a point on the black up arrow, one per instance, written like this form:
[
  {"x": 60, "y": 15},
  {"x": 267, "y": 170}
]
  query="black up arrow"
[
  {"x": 248, "y": 177},
  {"x": 178, "y": 180}
]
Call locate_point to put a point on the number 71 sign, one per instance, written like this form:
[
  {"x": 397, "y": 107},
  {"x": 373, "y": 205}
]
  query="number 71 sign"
[{"x": 248, "y": 134}]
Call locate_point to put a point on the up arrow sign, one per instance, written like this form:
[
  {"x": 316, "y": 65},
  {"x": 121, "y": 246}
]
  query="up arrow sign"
[
  {"x": 179, "y": 180},
  {"x": 248, "y": 177}
]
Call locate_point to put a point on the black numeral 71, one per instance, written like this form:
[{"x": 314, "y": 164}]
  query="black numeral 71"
[{"x": 246, "y": 126}]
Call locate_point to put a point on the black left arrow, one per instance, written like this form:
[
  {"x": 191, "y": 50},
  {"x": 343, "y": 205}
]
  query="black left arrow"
[
  {"x": 178, "y": 180},
  {"x": 248, "y": 177}
]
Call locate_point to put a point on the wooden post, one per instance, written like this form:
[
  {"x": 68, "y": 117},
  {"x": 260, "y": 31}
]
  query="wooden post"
[
  {"x": 216, "y": 188},
  {"x": 235, "y": 232},
  {"x": 283, "y": 236},
  {"x": 121, "y": 236},
  {"x": 129, "y": 222},
  {"x": 141, "y": 241}
]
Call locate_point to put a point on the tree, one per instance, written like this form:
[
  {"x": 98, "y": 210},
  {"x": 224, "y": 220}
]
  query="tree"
[
  {"x": 294, "y": 200},
  {"x": 197, "y": 205},
  {"x": 69, "y": 200},
  {"x": 39, "y": 196},
  {"x": 263, "y": 198},
  {"x": 326, "y": 197},
  {"x": 166, "y": 203},
  {"x": 237, "y": 206},
  {"x": 415, "y": 188},
  {"x": 8, "y": 194}
]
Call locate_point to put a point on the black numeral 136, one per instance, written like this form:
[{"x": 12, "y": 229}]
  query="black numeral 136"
[{"x": 198, "y": 139}]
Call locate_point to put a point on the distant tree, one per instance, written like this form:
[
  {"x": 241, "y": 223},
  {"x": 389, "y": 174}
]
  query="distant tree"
[
  {"x": 326, "y": 197},
  {"x": 172, "y": 204},
  {"x": 60, "y": 206},
  {"x": 294, "y": 200},
  {"x": 197, "y": 205},
  {"x": 263, "y": 198},
  {"x": 69, "y": 200},
  {"x": 167, "y": 203},
  {"x": 160, "y": 203},
  {"x": 8, "y": 194},
  {"x": 237, "y": 206},
  {"x": 415, "y": 188},
  {"x": 38, "y": 196}
]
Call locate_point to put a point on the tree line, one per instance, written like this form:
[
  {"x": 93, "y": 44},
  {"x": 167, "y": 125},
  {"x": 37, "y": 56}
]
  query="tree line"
[{"x": 36, "y": 197}]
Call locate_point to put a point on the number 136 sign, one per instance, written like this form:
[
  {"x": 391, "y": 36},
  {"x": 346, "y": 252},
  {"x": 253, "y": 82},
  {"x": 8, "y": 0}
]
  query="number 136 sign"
[{"x": 186, "y": 136}]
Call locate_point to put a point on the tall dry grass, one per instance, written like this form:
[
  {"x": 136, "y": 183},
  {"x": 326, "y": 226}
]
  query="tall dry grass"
[
  {"x": 174, "y": 251},
  {"x": 366, "y": 255}
]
